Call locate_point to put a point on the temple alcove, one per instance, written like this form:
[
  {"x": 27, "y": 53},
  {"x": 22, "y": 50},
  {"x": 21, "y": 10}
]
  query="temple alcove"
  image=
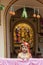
[{"x": 18, "y": 22}]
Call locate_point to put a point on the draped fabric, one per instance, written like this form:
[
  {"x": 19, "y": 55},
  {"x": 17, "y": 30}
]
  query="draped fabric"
[{"x": 31, "y": 61}]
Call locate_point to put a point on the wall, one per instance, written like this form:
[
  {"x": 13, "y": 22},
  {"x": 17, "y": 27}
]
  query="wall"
[
  {"x": 3, "y": 31},
  {"x": 1, "y": 37}
]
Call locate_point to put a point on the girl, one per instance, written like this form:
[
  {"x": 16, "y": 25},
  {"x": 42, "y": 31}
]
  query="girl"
[{"x": 25, "y": 51}]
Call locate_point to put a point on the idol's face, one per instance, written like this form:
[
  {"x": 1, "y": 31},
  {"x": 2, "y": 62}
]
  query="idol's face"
[{"x": 24, "y": 49}]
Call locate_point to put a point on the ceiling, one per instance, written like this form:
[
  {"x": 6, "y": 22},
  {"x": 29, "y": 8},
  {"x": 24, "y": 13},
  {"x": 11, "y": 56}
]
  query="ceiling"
[
  {"x": 28, "y": 3},
  {"x": 41, "y": 1}
]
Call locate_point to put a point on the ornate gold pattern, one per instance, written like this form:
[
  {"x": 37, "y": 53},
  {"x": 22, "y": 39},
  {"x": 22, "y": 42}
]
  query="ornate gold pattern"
[{"x": 25, "y": 32}]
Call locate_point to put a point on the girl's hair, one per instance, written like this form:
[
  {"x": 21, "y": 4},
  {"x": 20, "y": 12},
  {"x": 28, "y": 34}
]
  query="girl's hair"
[{"x": 26, "y": 44}]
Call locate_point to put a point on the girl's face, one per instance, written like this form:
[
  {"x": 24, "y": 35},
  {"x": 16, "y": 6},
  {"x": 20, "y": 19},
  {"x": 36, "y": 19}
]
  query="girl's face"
[{"x": 24, "y": 49}]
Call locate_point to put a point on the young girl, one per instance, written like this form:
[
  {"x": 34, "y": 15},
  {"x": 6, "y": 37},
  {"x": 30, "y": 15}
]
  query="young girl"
[{"x": 25, "y": 51}]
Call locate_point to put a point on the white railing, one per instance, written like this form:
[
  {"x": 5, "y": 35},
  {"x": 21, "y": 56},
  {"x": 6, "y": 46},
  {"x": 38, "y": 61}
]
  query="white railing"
[{"x": 15, "y": 61}]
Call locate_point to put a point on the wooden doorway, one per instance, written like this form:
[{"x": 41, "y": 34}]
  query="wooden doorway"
[{"x": 19, "y": 32}]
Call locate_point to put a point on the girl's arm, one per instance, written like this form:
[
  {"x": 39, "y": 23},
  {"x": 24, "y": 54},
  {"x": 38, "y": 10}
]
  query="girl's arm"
[{"x": 18, "y": 56}]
